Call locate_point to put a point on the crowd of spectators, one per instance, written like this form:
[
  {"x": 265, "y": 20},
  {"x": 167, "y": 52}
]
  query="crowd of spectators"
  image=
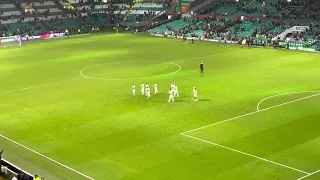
[
  {"x": 18, "y": 17},
  {"x": 233, "y": 30},
  {"x": 6, "y": 29},
  {"x": 106, "y": 14},
  {"x": 213, "y": 28},
  {"x": 147, "y": 15},
  {"x": 296, "y": 9},
  {"x": 310, "y": 35},
  {"x": 271, "y": 34}
]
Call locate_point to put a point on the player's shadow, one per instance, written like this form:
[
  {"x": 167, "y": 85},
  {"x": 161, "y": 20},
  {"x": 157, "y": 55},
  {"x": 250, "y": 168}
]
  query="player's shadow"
[
  {"x": 204, "y": 99},
  {"x": 181, "y": 100}
]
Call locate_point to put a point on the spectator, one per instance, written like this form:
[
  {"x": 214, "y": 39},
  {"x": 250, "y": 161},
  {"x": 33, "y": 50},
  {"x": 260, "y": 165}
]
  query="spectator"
[{"x": 36, "y": 177}]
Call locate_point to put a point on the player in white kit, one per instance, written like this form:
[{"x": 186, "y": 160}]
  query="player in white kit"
[
  {"x": 195, "y": 94},
  {"x": 134, "y": 90},
  {"x": 175, "y": 89},
  {"x": 171, "y": 98},
  {"x": 147, "y": 86},
  {"x": 142, "y": 88},
  {"x": 172, "y": 85},
  {"x": 155, "y": 88},
  {"x": 148, "y": 92}
]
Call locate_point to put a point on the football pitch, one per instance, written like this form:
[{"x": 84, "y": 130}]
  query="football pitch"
[{"x": 67, "y": 110}]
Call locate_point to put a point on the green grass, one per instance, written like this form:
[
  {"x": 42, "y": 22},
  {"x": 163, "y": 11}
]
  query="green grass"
[{"x": 95, "y": 125}]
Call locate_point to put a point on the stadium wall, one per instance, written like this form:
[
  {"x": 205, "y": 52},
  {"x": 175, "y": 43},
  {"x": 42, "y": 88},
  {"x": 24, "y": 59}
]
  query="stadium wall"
[
  {"x": 49, "y": 36},
  {"x": 244, "y": 42},
  {"x": 9, "y": 170}
]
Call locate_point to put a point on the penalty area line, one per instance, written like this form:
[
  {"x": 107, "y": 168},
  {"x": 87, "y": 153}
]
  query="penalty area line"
[
  {"x": 247, "y": 154},
  {"x": 254, "y": 112},
  {"x": 258, "y": 105},
  {"x": 308, "y": 175},
  {"x": 50, "y": 159}
]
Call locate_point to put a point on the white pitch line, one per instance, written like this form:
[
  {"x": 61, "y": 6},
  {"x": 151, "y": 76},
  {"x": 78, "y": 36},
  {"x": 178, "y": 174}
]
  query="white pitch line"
[
  {"x": 148, "y": 77},
  {"x": 257, "y": 157},
  {"x": 213, "y": 124},
  {"x": 38, "y": 86},
  {"x": 265, "y": 109},
  {"x": 93, "y": 77},
  {"x": 42, "y": 85},
  {"x": 308, "y": 175},
  {"x": 113, "y": 72},
  {"x": 258, "y": 105},
  {"x": 46, "y": 157}
]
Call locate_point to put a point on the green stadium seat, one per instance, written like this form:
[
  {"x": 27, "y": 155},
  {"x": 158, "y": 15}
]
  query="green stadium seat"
[
  {"x": 176, "y": 25},
  {"x": 226, "y": 10}
]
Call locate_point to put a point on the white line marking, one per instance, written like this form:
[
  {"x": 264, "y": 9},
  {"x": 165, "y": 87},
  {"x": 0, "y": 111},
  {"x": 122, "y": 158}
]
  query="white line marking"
[
  {"x": 46, "y": 157},
  {"x": 185, "y": 133},
  {"x": 263, "y": 159},
  {"x": 265, "y": 109},
  {"x": 94, "y": 77},
  {"x": 309, "y": 175},
  {"x": 282, "y": 95},
  {"x": 42, "y": 85}
]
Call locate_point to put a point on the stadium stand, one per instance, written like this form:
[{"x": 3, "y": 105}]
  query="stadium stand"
[
  {"x": 258, "y": 22},
  {"x": 173, "y": 26},
  {"x": 241, "y": 20}
]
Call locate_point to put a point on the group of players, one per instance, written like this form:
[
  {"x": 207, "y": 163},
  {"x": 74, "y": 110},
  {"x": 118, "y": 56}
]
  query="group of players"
[
  {"x": 145, "y": 89},
  {"x": 173, "y": 91}
]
